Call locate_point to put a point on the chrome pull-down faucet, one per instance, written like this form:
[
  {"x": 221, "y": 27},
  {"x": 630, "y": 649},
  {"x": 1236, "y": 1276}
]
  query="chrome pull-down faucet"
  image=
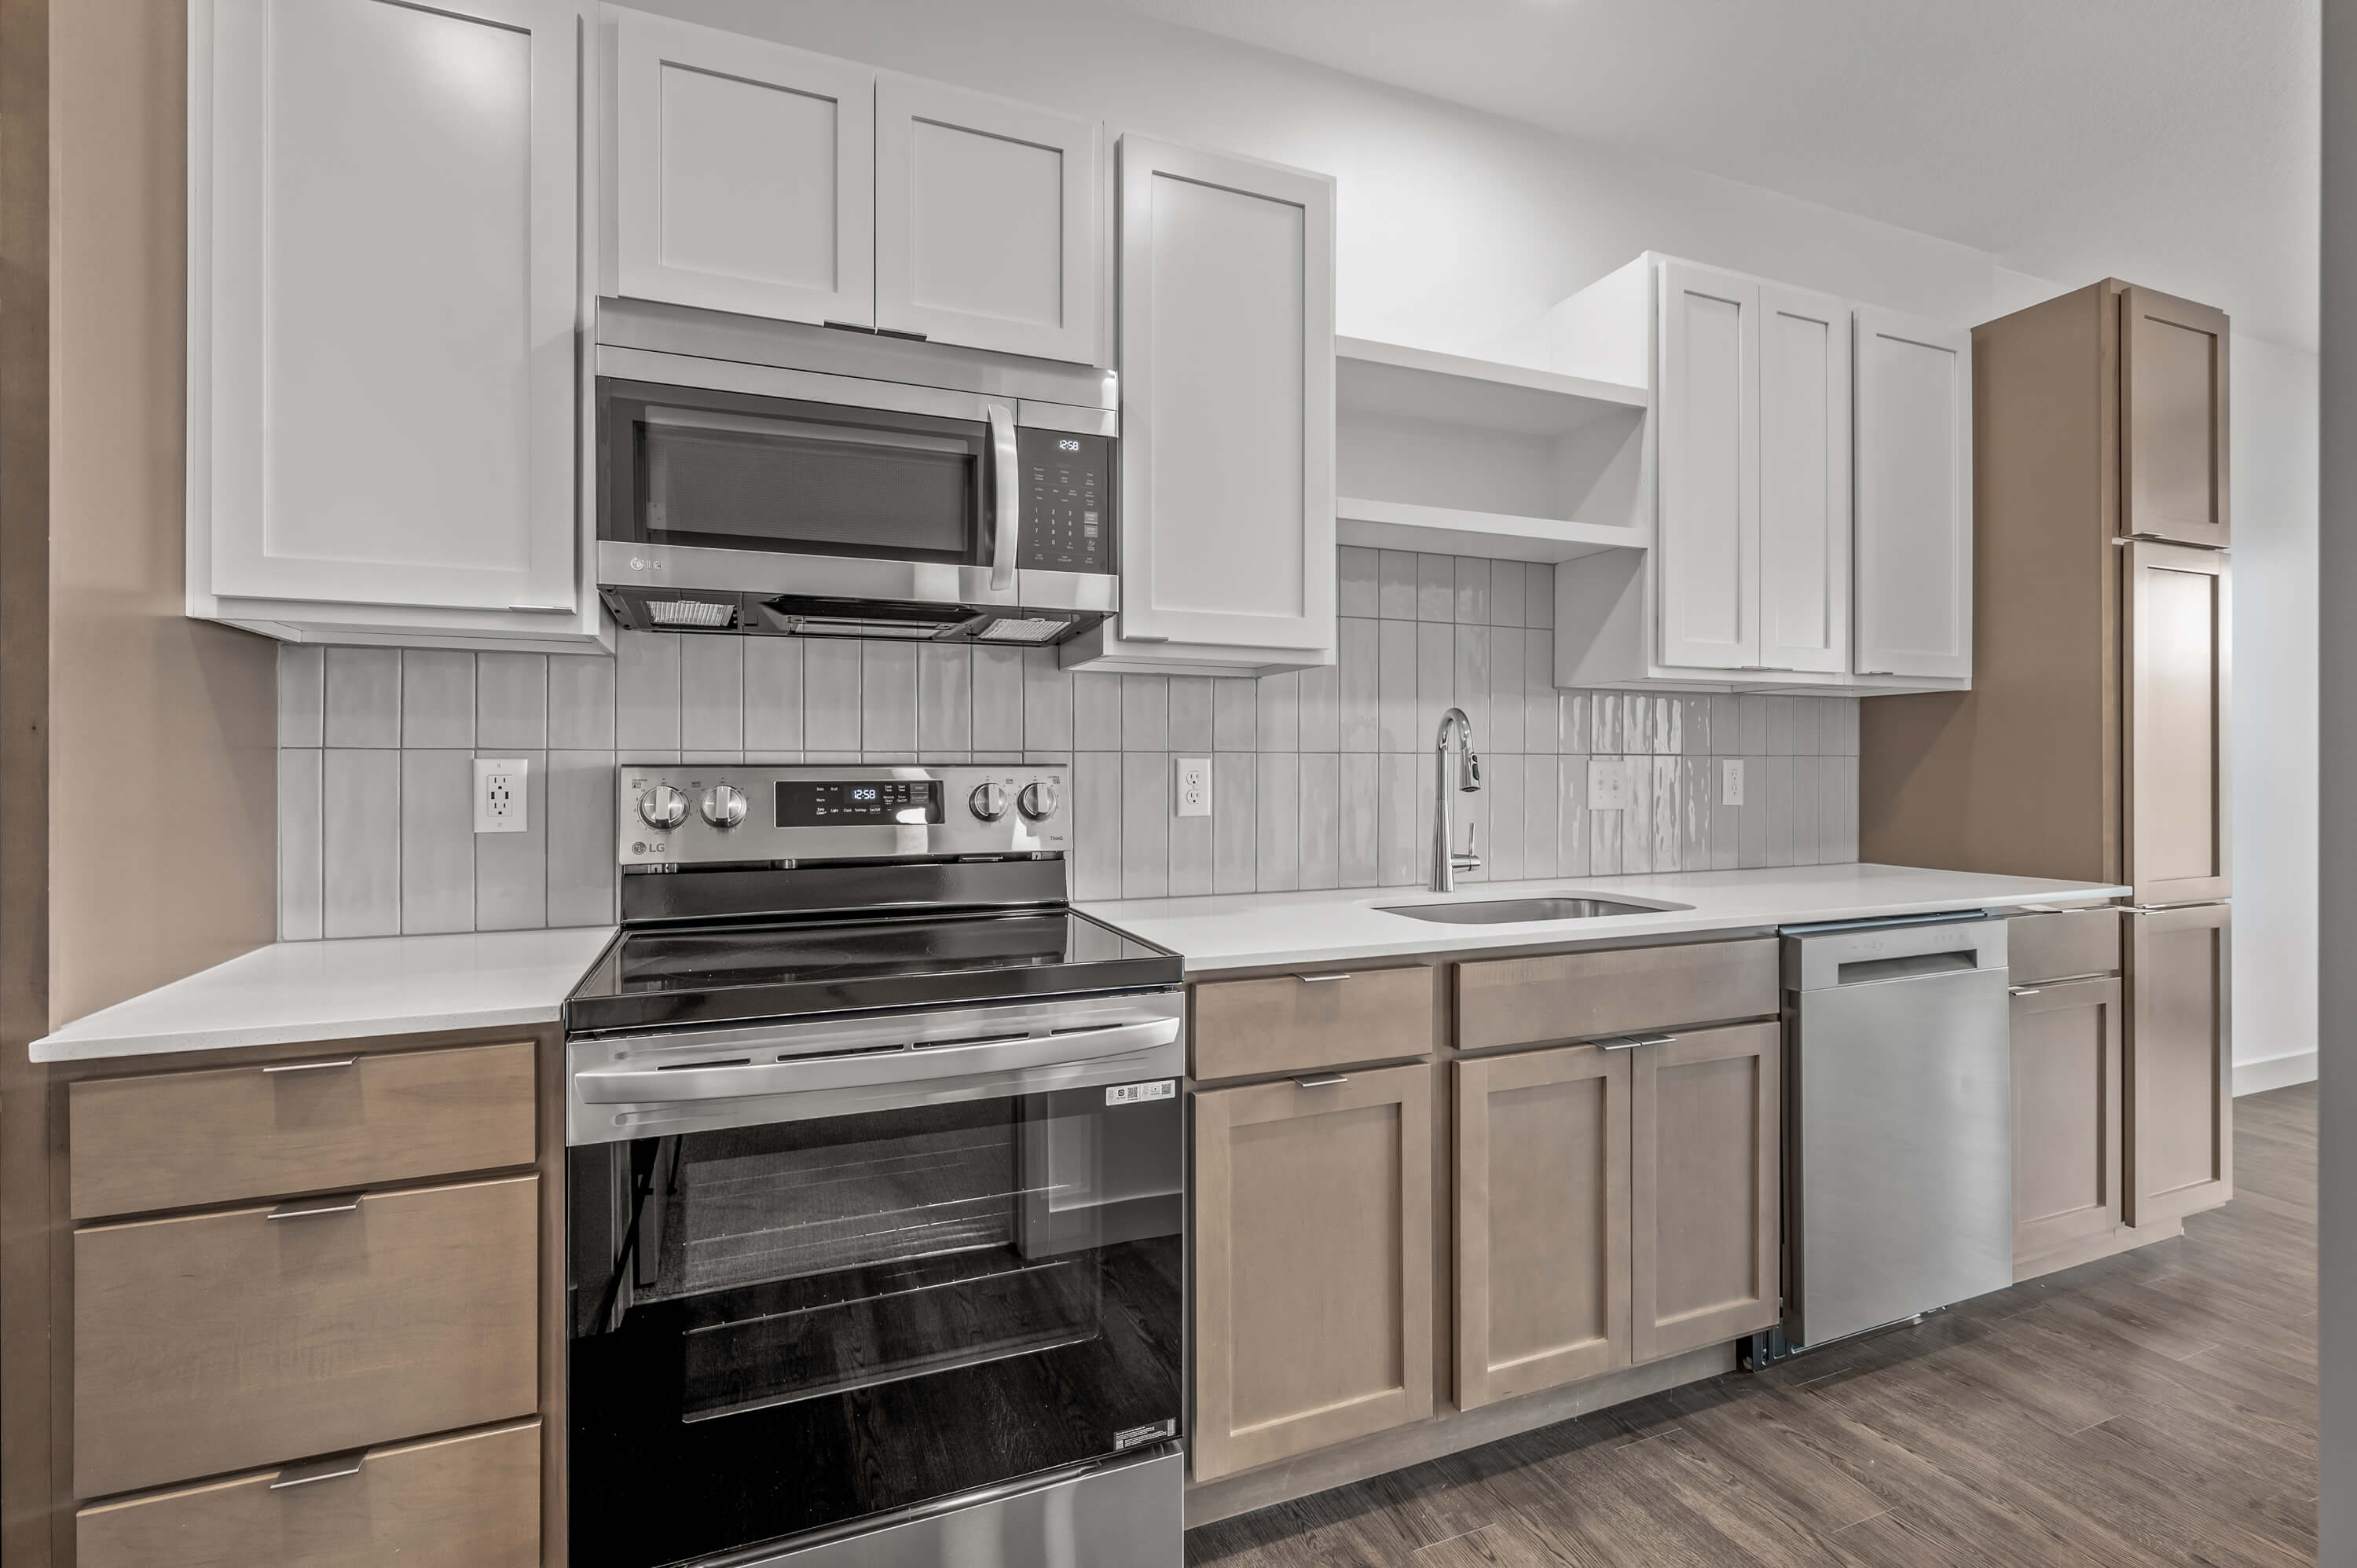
[{"x": 1445, "y": 862}]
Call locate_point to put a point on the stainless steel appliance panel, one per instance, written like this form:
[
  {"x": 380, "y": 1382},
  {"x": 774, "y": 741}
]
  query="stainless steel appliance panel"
[
  {"x": 1116, "y": 1516},
  {"x": 1011, "y": 808},
  {"x": 1899, "y": 1139}
]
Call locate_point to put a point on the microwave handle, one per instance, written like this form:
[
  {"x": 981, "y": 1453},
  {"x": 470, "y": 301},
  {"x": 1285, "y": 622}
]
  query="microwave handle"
[{"x": 1007, "y": 468}]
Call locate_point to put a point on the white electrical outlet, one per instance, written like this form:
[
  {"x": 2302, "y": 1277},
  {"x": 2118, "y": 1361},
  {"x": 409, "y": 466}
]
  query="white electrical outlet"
[
  {"x": 499, "y": 794},
  {"x": 1730, "y": 781},
  {"x": 1608, "y": 784},
  {"x": 1191, "y": 788}
]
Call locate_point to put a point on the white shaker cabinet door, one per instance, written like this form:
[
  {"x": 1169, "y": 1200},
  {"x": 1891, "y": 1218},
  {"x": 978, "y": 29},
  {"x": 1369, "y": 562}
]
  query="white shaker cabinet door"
[
  {"x": 1914, "y": 497},
  {"x": 1708, "y": 530},
  {"x": 743, "y": 173},
  {"x": 383, "y": 291},
  {"x": 1804, "y": 480},
  {"x": 1227, "y": 370},
  {"x": 986, "y": 222}
]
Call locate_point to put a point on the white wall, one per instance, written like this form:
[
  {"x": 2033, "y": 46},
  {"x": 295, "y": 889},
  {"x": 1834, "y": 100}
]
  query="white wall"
[{"x": 1458, "y": 230}]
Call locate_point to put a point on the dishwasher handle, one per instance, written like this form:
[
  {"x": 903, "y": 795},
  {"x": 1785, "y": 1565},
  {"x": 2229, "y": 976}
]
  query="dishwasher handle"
[{"x": 1877, "y": 955}]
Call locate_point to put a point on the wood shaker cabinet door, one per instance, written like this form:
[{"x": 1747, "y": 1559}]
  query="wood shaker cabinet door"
[
  {"x": 2174, "y": 466},
  {"x": 743, "y": 175},
  {"x": 2064, "y": 945},
  {"x": 473, "y": 1500},
  {"x": 1706, "y": 1192},
  {"x": 987, "y": 224},
  {"x": 1313, "y": 1265},
  {"x": 1708, "y": 528},
  {"x": 334, "y": 1121},
  {"x": 1578, "y": 995},
  {"x": 2179, "y": 770},
  {"x": 2067, "y": 1112},
  {"x": 1291, "y": 1023},
  {"x": 2180, "y": 1106},
  {"x": 1542, "y": 1220},
  {"x": 220, "y": 1342},
  {"x": 1914, "y": 497}
]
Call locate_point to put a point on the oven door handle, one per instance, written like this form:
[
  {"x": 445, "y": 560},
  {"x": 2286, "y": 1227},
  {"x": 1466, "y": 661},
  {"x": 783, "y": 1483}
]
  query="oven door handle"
[
  {"x": 740, "y": 1080},
  {"x": 1006, "y": 470}
]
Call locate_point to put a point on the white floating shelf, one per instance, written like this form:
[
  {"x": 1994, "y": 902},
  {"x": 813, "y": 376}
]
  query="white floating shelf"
[
  {"x": 1449, "y": 388},
  {"x": 1451, "y": 531}
]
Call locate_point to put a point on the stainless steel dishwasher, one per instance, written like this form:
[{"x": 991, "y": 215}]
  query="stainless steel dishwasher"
[{"x": 1899, "y": 1139}]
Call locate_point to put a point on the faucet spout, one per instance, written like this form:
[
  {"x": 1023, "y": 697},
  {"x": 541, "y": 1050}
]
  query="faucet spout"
[{"x": 1446, "y": 861}]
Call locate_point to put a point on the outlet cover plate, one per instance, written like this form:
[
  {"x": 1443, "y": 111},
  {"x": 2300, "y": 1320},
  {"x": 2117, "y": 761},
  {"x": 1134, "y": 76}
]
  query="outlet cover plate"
[
  {"x": 1730, "y": 781},
  {"x": 1191, "y": 786},
  {"x": 502, "y": 797},
  {"x": 1608, "y": 784}
]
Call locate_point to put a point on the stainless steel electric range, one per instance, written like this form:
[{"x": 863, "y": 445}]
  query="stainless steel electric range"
[{"x": 874, "y": 1186}]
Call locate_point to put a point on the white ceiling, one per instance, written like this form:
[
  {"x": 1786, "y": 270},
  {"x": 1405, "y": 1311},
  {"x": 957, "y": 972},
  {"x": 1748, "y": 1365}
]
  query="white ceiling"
[{"x": 2173, "y": 142}]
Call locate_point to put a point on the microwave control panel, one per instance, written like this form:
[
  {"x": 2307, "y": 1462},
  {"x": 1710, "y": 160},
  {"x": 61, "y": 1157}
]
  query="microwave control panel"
[{"x": 1067, "y": 502}]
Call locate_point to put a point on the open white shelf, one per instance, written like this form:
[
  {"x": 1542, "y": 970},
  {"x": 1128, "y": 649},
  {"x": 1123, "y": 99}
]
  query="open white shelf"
[
  {"x": 1453, "y": 531},
  {"x": 1453, "y": 456}
]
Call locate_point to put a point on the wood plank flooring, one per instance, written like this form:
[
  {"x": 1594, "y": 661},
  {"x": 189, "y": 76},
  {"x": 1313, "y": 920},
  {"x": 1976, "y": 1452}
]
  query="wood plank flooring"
[{"x": 2154, "y": 1408}]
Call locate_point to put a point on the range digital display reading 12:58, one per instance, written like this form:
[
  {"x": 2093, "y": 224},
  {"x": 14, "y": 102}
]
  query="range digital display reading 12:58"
[{"x": 803, "y": 803}]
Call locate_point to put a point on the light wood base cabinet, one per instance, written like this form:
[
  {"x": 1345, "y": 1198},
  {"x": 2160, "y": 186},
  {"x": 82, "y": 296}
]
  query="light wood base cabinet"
[
  {"x": 1705, "y": 1196},
  {"x": 1313, "y": 1265},
  {"x": 218, "y": 1342},
  {"x": 472, "y": 1499},
  {"x": 1542, "y": 1220},
  {"x": 2180, "y": 1109},
  {"x": 2066, "y": 1114}
]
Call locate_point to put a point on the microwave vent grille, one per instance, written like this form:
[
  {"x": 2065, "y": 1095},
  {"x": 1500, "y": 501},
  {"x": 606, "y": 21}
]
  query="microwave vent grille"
[
  {"x": 699, "y": 614},
  {"x": 1010, "y": 629}
]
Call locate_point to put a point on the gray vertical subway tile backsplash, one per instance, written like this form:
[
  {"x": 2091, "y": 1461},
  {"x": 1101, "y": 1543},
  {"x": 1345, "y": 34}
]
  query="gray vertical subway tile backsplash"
[{"x": 1320, "y": 777}]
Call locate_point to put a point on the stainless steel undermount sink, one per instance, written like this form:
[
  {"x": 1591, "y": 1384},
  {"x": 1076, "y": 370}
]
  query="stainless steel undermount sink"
[{"x": 1507, "y": 911}]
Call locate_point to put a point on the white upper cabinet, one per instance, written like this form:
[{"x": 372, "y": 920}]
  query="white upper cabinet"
[
  {"x": 986, "y": 230},
  {"x": 1804, "y": 480},
  {"x": 1914, "y": 498},
  {"x": 1709, "y": 527},
  {"x": 743, "y": 173},
  {"x": 383, "y": 291},
  {"x": 1227, "y": 369}
]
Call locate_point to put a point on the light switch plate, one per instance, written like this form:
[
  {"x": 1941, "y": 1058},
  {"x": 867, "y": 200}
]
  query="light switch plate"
[
  {"x": 1191, "y": 786},
  {"x": 1730, "y": 781},
  {"x": 501, "y": 798},
  {"x": 1608, "y": 784}
]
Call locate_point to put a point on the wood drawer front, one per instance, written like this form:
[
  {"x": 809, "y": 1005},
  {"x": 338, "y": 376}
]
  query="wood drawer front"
[
  {"x": 1287, "y": 1022},
  {"x": 2064, "y": 945},
  {"x": 473, "y": 1498},
  {"x": 1580, "y": 996},
  {"x": 221, "y": 1342},
  {"x": 182, "y": 1140}
]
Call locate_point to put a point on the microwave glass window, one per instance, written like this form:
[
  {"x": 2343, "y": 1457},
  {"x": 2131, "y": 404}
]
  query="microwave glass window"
[{"x": 720, "y": 481}]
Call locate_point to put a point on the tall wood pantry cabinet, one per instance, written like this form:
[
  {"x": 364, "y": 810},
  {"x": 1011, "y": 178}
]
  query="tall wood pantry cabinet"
[{"x": 2094, "y": 744}]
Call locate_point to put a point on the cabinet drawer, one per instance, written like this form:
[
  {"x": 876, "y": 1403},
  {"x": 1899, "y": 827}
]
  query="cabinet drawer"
[
  {"x": 221, "y": 1342},
  {"x": 181, "y": 1140},
  {"x": 1287, "y": 1022},
  {"x": 472, "y": 1499},
  {"x": 1578, "y": 995},
  {"x": 2064, "y": 945}
]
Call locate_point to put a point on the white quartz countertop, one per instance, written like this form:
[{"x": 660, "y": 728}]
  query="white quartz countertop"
[
  {"x": 1242, "y": 931},
  {"x": 293, "y": 991}
]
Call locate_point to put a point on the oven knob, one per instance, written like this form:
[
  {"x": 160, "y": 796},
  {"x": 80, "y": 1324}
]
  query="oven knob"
[
  {"x": 1040, "y": 799},
  {"x": 988, "y": 801},
  {"x": 724, "y": 806},
  {"x": 663, "y": 806}
]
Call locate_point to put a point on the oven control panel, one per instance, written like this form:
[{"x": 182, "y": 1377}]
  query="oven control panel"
[{"x": 671, "y": 814}]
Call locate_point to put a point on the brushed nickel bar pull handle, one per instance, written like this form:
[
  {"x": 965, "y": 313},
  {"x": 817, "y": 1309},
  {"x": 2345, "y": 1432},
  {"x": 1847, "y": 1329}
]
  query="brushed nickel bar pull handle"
[
  {"x": 2024, "y": 991},
  {"x": 1327, "y": 1080},
  {"x": 1319, "y": 979},
  {"x": 332, "y": 1468},
  {"x": 1622, "y": 1043},
  {"x": 314, "y": 1207},
  {"x": 1651, "y": 1039},
  {"x": 330, "y": 1065}
]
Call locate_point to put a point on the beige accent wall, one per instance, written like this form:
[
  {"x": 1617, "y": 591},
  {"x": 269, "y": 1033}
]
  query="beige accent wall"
[{"x": 162, "y": 729}]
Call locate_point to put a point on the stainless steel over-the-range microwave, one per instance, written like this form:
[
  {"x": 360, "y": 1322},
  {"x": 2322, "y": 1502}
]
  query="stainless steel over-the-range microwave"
[{"x": 768, "y": 478}]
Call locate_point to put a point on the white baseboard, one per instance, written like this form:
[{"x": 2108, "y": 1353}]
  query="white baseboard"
[{"x": 2274, "y": 1072}]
